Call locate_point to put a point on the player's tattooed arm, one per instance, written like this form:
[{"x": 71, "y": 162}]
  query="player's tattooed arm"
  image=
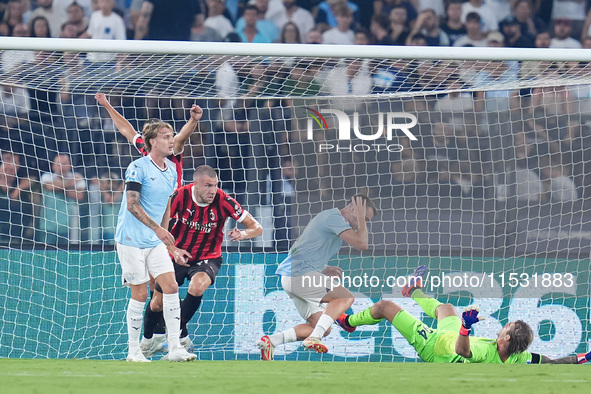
[
  {"x": 134, "y": 206},
  {"x": 562, "y": 360}
]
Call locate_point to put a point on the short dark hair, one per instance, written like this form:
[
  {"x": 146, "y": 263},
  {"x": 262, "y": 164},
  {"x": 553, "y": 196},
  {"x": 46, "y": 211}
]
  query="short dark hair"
[
  {"x": 368, "y": 202},
  {"x": 250, "y": 7},
  {"x": 474, "y": 17},
  {"x": 382, "y": 20},
  {"x": 204, "y": 170},
  {"x": 521, "y": 336}
]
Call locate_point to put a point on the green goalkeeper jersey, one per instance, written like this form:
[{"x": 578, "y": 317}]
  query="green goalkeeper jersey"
[{"x": 484, "y": 350}]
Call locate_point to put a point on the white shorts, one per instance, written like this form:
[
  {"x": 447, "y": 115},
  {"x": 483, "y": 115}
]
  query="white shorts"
[
  {"x": 137, "y": 264},
  {"x": 307, "y": 291}
]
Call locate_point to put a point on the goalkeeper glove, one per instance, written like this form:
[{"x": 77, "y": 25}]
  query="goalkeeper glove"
[
  {"x": 469, "y": 317},
  {"x": 583, "y": 357}
]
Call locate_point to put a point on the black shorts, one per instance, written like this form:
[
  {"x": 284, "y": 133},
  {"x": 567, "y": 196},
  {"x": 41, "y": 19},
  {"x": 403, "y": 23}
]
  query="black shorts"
[{"x": 209, "y": 266}]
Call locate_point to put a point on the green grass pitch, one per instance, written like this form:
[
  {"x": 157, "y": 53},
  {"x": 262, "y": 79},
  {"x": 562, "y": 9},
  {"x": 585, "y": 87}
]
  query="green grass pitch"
[{"x": 106, "y": 377}]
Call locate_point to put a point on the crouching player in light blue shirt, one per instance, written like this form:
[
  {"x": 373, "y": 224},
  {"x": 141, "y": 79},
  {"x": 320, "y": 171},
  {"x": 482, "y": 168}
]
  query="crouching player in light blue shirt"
[{"x": 306, "y": 277}]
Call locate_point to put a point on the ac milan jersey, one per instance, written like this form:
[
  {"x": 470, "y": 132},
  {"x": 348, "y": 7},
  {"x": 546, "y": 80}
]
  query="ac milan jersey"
[
  {"x": 140, "y": 145},
  {"x": 199, "y": 228}
]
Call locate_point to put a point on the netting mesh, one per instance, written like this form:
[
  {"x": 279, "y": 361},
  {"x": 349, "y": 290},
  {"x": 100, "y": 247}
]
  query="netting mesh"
[{"x": 495, "y": 186}]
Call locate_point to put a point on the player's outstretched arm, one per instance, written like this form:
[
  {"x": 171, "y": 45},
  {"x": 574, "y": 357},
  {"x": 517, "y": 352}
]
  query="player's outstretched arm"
[
  {"x": 469, "y": 317},
  {"x": 124, "y": 127},
  {"x": 186, "y": 131},
  {"x": 253, "y": 229},
  {"x": 576, "y": 359}
]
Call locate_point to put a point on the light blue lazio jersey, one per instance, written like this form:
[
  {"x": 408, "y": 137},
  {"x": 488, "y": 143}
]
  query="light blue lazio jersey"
[
  {"x": 317, "y": 244},
  {"x": 157, "y": 187}
]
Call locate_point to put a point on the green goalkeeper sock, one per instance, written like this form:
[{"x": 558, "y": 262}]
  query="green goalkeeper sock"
[
  {"x": 428, "y": 304},
  {"x": 363, "y": 318}
]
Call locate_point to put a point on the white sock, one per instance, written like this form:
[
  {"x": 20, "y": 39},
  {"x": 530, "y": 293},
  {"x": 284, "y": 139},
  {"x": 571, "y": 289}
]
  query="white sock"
[
  {"x": 135, "y": 319},
  {"x": 286, "y": 336},
  {"x": 172, "y": 317},
  {"x": 323, "y": 324}
]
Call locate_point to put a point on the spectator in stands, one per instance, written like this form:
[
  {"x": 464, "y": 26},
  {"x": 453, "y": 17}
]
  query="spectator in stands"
[
  {"x": 293, "y": 13},
  {"x": 399, "y": 25},
  {"x": 417, "y": 39},
  {"x": 40, "y": 27},
  {"x": 314, "y": 37},
  {"x": 386, "y": 6},
  {"x": 290, "y": 34},
  {"x": 514, "y": 37},
  {"x": 342, "y": 33},
  {"x": 168, "y": 20},
  {"x": 495, "y": 39},
  {"x": 458, "y": 104},
  {"x": 408, "y": 173},
  {"x": 63, "y": 190},
  {"x": 204, "y": 33},
  {"x": 474, "y": 35},
  {"x": 111, "y": 188},
  {"x": 250, "y": 31},
  {"x": 326, "y": 16},
  {"x": 556, "y": 179},
  {"x": 301, "y": 81},
  {"x": 362, "y": 37},
  {"x": 13, "y": 59},
  {"x": 77, "y": 18},
  {"x": 55, "y": 17},
  {"x": 379, "y": 30},
  {"x": 265, "y": 27},
  {"x": 14, "y": 104},
  {"x": 488, "y": 19},
  {"x": 563, "y": 28},
  {"x": 216, "y": 19},
  {"x": 427, "y": 23},
  {"x": 530, "y": 24},
  {"x": 349, "y": 79},
  {"x": 453, "y": 25},
  {"x": 16, "y": 209},
  {"x": 13, "y": 15},
  {"x": 572, "y": 10},
  {"x": 105, "y": 24},
  {"x": 543, "y": 40}
]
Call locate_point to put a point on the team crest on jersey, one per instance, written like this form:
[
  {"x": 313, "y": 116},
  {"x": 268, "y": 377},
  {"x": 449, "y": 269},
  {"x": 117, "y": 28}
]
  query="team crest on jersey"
[{"x": 211, "y": 215}]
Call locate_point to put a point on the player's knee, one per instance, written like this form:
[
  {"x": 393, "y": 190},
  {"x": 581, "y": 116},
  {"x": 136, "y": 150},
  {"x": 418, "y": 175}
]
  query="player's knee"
[
  {"x": 169, "y": 287},
  {"x": 198, "y": 286},
  {"x": 445, "y": 310},
  {"x": 379, "y": 309}
]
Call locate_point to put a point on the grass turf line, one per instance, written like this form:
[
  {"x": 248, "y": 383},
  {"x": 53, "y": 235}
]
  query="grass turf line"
[{"x": 106, "y": 377}]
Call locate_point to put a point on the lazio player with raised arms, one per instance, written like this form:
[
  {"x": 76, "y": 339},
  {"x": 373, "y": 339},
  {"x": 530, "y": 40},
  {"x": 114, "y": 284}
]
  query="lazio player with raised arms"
[{"x": 451, "y": 342}]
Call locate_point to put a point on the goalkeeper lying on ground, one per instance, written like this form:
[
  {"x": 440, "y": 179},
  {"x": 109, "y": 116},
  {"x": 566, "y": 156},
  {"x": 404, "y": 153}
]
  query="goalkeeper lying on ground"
[{"x": 451, "y": 342}]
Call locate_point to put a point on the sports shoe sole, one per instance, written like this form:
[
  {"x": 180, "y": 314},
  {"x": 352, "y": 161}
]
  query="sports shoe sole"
[{"x": 418, "y": 273}]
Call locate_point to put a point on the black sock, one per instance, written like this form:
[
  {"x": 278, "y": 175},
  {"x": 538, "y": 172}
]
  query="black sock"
[
  {"x": 188, "y": 308},
  {"x": 151, "y": 320}
]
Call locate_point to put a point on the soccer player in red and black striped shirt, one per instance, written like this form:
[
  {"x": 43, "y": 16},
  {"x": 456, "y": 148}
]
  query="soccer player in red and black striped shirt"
[
  {"x": 198, "y": 214},
  {"x": 127, "y": 130}
]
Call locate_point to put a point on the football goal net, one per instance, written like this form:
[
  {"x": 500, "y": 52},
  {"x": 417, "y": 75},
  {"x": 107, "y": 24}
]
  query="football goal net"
[{"x": 477, "y": 159}]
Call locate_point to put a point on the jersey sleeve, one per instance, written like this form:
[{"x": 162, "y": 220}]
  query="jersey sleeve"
[
  {"x": 139, "y": 144},
  {"x": 525, "y": 358},
  {"x": 232, "y": 208},
  {"x": 134, "y": 174},
  {"x": 174, "y": 203}
]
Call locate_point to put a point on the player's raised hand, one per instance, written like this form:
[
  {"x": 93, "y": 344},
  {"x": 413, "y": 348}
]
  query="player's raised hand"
[
  {"x": 180, "y": 256},
  {"x": 470, "y": 316},
  {"x": 359, "y": 208},
  {"x": 196, "y": 112},
  {"x": 236, "y": 235},
  {"x": 101, "y": 98},
  {"x": 165, "y": 236}
]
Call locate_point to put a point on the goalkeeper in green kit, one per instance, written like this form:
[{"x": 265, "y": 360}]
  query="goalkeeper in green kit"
[{"x": 451, "y": 342}]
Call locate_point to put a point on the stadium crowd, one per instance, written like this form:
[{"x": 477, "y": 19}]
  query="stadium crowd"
[{"x": 463, "y": 135}]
